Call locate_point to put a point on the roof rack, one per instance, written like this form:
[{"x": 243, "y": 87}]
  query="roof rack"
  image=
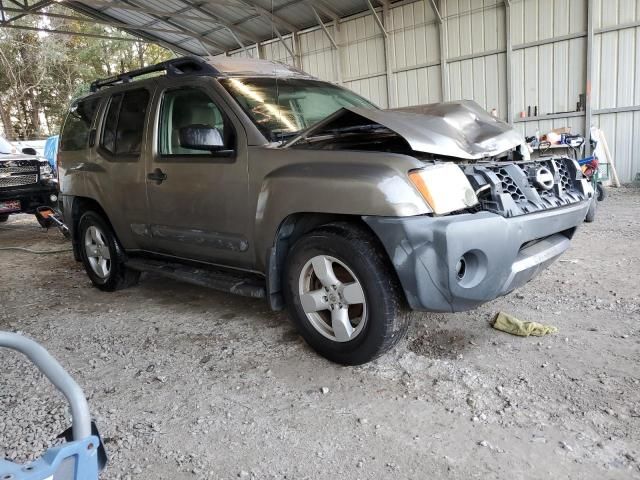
[{"x": 174, "y": 67}]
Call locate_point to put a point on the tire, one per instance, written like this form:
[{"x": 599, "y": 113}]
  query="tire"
[
  {"x": 97, "y": 242},
  {"x": 357, "y": 261},
  {"x": 4, "y": 218},
  {"x": 601, "y": 192},
  {"x": 591, "y": 213}
]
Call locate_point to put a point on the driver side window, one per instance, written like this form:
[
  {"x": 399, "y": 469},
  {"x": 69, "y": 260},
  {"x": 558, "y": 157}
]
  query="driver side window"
[{"x": 190, "y": 107}]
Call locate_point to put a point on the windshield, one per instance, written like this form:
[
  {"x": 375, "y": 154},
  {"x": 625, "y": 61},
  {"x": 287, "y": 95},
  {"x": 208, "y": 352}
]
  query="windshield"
[
  {"x": 5, "y": 147},
  {"x": 284, "y": 106}
]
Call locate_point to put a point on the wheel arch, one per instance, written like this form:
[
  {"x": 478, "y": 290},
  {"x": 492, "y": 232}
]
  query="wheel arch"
[
  {"x": 80, "y": 205},
  {"x": 293, "y": 227}
]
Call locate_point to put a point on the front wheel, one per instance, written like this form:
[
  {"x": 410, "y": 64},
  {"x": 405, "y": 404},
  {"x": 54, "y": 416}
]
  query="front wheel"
[
  {"x": 4, "y": 218},
  {"x": 343, "y": 295},
  {"x": 102, "y": 255}
]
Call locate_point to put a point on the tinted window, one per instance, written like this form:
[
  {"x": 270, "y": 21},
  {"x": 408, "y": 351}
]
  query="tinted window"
[
  {"x": 124, "y": 123},
  {"x": 185, "y": 107},
  {"x": 111, "y": 124},
  {"x": 75, "y": 134}
]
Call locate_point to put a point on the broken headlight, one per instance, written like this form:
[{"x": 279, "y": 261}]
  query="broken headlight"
[{"x": 444, "y": 187}]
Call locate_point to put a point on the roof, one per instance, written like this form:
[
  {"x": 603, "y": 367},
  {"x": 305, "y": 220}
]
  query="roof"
[{"x": 213, "y": 27}]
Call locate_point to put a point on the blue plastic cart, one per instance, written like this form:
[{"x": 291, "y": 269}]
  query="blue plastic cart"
[{"x": 82, "y": 456}]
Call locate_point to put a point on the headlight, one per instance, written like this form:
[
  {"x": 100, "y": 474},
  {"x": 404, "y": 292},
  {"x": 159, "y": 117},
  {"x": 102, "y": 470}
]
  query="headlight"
[
  {"x": 45, "y": 171},
  {"x": 444, "y": 187}
]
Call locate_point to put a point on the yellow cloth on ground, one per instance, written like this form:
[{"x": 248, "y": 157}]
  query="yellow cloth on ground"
[{"x": 510, "y": 324}]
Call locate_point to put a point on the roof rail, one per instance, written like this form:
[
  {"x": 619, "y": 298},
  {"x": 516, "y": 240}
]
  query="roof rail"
[{"x": 173, "y": 67}]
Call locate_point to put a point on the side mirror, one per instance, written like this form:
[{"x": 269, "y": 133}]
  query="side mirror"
[
  {"x": 29, "y": 151},
  {"x": 201, "y": 137}
]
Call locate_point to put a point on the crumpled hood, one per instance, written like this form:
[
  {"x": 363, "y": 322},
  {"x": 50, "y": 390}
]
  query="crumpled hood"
[{"x": 461, "y": 129}]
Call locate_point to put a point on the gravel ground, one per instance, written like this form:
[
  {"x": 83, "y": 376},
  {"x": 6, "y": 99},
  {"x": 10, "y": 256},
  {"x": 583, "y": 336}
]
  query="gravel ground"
[{"x": 188, "y": 383}]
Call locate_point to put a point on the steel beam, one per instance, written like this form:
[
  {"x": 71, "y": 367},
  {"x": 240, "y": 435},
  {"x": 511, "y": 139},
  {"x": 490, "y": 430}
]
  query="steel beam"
[
  {"x": 147, "y": 37},
  {"x": 338, "y": 56},
  {"x": 230, "y": 27},
  {"x": 26, "y": 10},
  {"x": 281, "y": 38},
  {"x": 550, "y": 116},
  {"x": 119, "y": 25},
  {"x": 271, "y": 16},
  {"x": 195, "y": 34},
  {"x": 508, "y": 62},
  {"x": 164, "y": 17},
  {"x": 324, "y": 29},
  {"x": 121, "y": 5},
  {"x": 324, "y": 8},
  {"x": 589, "y": 74},
  {"x": 436, "y": 11},
  {"x": 77, "y": 34},
  {"x": 444, "y": 70},
  {"x": 389, "y": 58},
  {"x": 377, "y": 18}
]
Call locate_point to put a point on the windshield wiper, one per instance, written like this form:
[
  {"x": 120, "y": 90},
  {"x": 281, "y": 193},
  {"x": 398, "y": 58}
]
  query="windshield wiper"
[
  {"x": 356, "y": 128},
  {"x": 282, "y": 136}
]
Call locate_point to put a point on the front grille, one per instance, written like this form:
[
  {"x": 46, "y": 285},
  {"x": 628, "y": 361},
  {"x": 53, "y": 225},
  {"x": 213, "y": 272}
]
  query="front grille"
[
  {"x": 18, "y": 173},
  {"x": 512, "y": 189},
  {"x": 17, "y": 169},
  {"x": 18, "y": 180},
  {"x": 509, "y": 185}
]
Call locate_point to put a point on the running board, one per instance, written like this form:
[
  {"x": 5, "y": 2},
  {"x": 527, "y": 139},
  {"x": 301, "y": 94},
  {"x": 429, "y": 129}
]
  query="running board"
[{"x": 239, "y": 283}]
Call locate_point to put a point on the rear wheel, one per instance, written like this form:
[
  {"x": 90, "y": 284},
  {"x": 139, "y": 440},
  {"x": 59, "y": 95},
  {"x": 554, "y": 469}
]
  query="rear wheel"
[
  {"x": 102, "y": 255},
  {"x": 343, "y": 295},
  {"x": 4, "y": 218}
]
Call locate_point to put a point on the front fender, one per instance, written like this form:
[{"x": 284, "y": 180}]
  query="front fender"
[{"x": 331, "y": 188}]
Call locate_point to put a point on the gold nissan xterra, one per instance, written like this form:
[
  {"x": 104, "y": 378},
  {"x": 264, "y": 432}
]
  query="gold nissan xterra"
[{"x": 253, "y": 177}]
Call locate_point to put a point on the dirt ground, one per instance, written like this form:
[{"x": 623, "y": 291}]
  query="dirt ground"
[{"x": 188, "y": 383}]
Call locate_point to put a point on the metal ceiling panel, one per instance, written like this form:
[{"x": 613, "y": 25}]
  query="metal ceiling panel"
[{"x": 214, "y": 27}]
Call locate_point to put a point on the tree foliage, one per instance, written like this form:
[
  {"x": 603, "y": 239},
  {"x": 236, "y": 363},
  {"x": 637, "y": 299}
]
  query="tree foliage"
[{"x": 41, "y": 73}]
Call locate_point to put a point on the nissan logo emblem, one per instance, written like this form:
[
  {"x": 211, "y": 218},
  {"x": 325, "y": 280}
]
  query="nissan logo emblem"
[{"x": 544, "y": 178}]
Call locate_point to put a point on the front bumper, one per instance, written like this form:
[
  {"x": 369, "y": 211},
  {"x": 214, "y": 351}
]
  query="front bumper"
[
  {"x": 31, "y": 196},
  {"x": 499, "y": 254}
]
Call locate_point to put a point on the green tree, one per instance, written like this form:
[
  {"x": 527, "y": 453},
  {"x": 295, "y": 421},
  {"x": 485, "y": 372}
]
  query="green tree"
[{"x": 40, "y": 73}]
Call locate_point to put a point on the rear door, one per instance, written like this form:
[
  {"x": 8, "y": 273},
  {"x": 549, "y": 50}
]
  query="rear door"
[
  {"x": 74, "y": 152},
  {"x": 198, "y": 199},
  {"x": 116, "y": 177}
]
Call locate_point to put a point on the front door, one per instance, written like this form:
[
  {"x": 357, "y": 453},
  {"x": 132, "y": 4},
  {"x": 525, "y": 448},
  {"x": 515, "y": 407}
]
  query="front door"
[{"x": 197, "y": 199}]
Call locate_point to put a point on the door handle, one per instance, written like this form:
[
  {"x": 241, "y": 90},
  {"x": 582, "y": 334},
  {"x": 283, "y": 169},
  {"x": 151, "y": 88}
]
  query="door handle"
[{"x": 157, "y": 176}]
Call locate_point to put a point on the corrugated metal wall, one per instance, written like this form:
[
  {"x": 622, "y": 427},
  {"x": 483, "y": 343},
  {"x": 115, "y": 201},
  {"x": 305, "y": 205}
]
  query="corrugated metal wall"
[
  {"x": 548, "y": 61},
  {"x": 616, "y": 81}
]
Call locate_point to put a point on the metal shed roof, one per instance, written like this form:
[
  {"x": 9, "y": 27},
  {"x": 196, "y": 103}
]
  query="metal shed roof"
[{"x": 215, "y": 26}]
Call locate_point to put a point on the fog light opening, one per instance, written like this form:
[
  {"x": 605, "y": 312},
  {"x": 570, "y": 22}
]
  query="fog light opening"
[{"x": 461, "y": 268}]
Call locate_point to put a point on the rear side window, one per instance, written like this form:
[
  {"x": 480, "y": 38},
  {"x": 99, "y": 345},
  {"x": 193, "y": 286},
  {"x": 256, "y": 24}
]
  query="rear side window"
[
  {"x": 124, "y": 123},
  {"x": 75, "y": 133}
]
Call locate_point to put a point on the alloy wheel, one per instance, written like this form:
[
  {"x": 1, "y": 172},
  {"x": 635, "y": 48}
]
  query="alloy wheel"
[
  {"x": 332, "y": 298},
  {"x": 96, "y": 248}
]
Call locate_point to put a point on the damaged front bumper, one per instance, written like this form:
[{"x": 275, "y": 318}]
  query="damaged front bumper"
[{"x": 458, "y": 262}]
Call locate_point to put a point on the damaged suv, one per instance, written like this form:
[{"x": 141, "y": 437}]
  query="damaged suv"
[{"x": 253, "y": 177}]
